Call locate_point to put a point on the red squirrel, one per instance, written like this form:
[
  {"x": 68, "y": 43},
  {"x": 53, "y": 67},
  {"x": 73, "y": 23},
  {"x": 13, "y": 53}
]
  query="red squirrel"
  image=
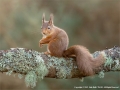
[
  {"x": 56, "y": 38},
  {"x": 85, "y": 61}
]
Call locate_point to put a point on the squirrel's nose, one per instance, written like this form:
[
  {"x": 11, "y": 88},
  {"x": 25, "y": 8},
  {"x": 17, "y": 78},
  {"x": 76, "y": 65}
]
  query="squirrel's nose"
[{"x": 43, "y": 33}]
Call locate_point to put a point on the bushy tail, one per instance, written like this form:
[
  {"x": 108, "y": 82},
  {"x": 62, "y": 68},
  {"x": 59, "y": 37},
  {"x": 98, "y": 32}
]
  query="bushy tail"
[
  {"x": 87, "y": 63},
  {"x": 85, "y": 68}
]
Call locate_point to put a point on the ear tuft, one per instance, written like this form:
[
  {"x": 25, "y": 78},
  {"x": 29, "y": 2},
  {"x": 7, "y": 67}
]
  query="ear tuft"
[
  {"x": 43, "y": 18},
  {"x": 51, "y": 19}
]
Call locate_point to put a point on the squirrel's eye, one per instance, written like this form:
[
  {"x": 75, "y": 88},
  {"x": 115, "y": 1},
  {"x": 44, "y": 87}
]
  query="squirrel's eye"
[{"x": 49, "y": 27}]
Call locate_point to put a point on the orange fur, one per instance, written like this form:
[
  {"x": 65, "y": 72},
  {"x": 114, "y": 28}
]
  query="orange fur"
[
  {"x": 85, "y": 62},
  {"x": 56, "y": 38}
]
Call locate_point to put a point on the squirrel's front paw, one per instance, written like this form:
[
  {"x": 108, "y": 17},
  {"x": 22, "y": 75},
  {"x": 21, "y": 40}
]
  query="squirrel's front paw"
[
  {"x": 40, "y": 44},
  {"x": 46, "y": 53}
]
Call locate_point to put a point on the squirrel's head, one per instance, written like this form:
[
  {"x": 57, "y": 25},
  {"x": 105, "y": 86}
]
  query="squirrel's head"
[{"x": 47, "y": 26}]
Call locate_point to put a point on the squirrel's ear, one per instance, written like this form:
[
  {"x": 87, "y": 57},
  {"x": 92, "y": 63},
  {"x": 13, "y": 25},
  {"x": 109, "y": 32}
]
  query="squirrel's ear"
[
  {"x": 43, "y": 18},
  {"x": 51, "y": 19}
]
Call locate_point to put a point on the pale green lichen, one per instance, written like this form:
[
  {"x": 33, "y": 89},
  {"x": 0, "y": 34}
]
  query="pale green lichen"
[
  {"x": 41, "y": 70},
  {"x": 101, "y": 74},
  {"x": 31, "y": 79},
  {"x": 9, "y": 72},
  {"x": 24, "y": 61},
  {"x": 95, "y": 54},
  {"x": 108, "y": 62},
  {"x": 20, "y": 76},
  {"x": 81, "y": 79},
  {"x": 63, "y": 67},
  {"x": 116, "y": 67},
  {"x": 62, "y": 73}
]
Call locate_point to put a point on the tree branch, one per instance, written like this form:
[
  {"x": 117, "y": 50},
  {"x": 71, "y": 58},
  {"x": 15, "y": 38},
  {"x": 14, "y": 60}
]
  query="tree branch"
[{"x": 36, "y": 65}]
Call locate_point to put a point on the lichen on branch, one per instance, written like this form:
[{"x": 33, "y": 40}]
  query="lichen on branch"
[
  {"x": 35, "y": 65},
  {"x": 23, "y": 61}
]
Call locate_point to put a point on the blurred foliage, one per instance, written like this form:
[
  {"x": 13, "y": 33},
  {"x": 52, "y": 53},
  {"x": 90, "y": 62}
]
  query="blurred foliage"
[{"x": 92, "y": 23}]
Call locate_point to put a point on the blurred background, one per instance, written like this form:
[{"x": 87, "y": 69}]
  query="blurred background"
[{"x": 92, "y": 23}]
